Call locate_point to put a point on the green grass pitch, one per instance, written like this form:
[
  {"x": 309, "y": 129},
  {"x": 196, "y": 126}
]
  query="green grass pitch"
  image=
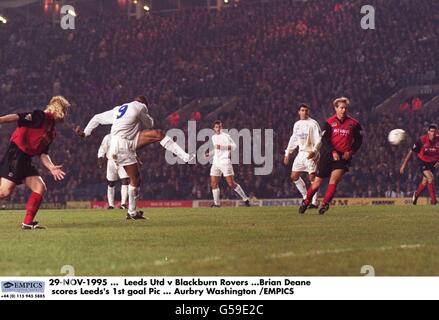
[{"x": 265, "y": 241}]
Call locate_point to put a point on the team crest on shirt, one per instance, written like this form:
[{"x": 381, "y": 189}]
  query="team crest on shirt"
[
  {"x": 28, "y": 117},
  {"x": 334, "y": 124},
  {"x": 10, "y": 174}
]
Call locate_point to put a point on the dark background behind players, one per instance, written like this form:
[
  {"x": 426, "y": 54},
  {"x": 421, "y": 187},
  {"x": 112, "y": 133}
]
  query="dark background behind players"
[{"x": 272, "y": 56}]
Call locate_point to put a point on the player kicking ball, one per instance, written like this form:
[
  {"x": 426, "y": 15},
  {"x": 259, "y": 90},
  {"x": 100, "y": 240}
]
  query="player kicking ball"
[
  {"x": 427, "y": 149},
  {"x": 222, "y": 164},
  {"x": 33, "y": 136},
  {"x": 114, "y": 174},
  {"x": 126, "y": 139},
  {"x": 341, "y": 139},
  {"x": 307, "y": 138}
]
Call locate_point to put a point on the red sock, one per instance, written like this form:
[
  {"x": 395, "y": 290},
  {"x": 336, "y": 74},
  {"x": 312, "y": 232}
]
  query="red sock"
[
  {"x": 309, "y": 194},
  {"x": 432, "y": 192},
  {"x": 421, "y": 188},
  {"x": 33, "y": 205},
  {"x": 329, "y": 193}
]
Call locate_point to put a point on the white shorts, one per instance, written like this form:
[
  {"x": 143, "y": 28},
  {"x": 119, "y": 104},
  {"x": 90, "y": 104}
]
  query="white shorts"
[
  {"x": 303, "y": 164},
  {"x": 122, "y": 151},
  {"x": 217, "y": 170},
  {"x": 115, "y": 172}
]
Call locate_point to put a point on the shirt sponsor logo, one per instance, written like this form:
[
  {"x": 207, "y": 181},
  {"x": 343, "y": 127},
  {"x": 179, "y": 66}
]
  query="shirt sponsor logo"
[
  {"x": 430, "y": 150},
  {"x": 342, "y": 132}
]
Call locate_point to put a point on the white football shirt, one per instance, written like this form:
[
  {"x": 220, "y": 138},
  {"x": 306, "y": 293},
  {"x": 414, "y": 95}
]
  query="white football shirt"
[
  {"x": 306, "y": 135},
  {"x": 222, "y": 155},
  {"x": 125, "y": 120}
]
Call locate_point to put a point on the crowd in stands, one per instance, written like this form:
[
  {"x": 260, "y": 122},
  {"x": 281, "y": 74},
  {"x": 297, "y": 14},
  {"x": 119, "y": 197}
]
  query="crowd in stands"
[{"x": 272, "y": 56}]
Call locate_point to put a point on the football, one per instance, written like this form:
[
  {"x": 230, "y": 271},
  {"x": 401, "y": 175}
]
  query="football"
[{"x": 396, "y": 136}]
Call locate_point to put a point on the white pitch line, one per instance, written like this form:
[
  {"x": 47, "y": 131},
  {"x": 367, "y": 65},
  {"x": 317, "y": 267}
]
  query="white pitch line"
[{"x": 336, "y": 251}]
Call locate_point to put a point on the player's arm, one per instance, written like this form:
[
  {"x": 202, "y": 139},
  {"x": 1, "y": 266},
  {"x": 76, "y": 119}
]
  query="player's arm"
[
  {"x": 103, "y": 148},
  {"x": 292, "y": 145},
  {"x": 55, "y": 170},
  {"x": 101, "y": 119},
  {"x": 145, "y": 118},
  {"x": 358, "y": 141},
  {"x": 326, "y": 144},
  {"x": 26, "y": 119},
  {"x": 209, "y": 152},
  {"x": 10, "y": 118},
  {"x": 232, "y": 144},
  {"x": 317, "y": 140},
  {"x": 415, "y": 149}
]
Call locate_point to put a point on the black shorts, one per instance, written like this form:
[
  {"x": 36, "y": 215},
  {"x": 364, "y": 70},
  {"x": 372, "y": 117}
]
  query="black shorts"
[
  {"x": 427, "y": 166},
  {"x": 327, "y": 164},
  {"x": 17, "y": 165}
]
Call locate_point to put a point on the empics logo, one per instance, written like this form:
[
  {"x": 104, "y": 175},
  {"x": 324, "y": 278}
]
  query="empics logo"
[{"x": 23, "y": 286}]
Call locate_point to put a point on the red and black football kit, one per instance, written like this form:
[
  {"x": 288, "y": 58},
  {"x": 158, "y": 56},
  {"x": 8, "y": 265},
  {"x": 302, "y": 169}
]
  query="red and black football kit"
[
  {"x": 339, "y": 136},
  {"x": 33, "y": 136},
  {"x": 428, "y": 156},
  {"x": 428, "y": 152}
]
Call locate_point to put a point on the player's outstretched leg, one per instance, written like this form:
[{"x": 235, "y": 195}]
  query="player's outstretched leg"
[
  {"x": 38, "y": 188},
  {"x": 238, "y": 189},
  {"x": 147, "y": 137}
]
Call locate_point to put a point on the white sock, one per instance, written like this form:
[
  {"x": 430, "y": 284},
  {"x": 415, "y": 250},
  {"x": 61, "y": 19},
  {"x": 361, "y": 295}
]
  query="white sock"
[
  {"x": 314, "y": 199},
  {"x": 241, "y": 192},
  {"x": 216, "y": 196},
  {"x": 170, "y": 145},
  {"x": 133, "y": 194},
  {"x": 110, "y": 196},
  {"x": 124, "y": 194},
  {"x": 301, "y": 186}
]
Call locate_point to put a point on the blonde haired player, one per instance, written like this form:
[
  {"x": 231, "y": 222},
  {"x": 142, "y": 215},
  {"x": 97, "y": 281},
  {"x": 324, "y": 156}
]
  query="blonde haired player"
[
  {"x": 307, "y": 138},
  {"x": 341, "y": 139},
  {"x": 33, "y": 137},
  {"x": 222, "y": 164},
  {"x": 115, "y": 173},
  {"x": 126, "y": 138}
]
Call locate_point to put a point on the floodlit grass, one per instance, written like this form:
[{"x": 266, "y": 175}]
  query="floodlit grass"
[{"x": 227, "y": 241}]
